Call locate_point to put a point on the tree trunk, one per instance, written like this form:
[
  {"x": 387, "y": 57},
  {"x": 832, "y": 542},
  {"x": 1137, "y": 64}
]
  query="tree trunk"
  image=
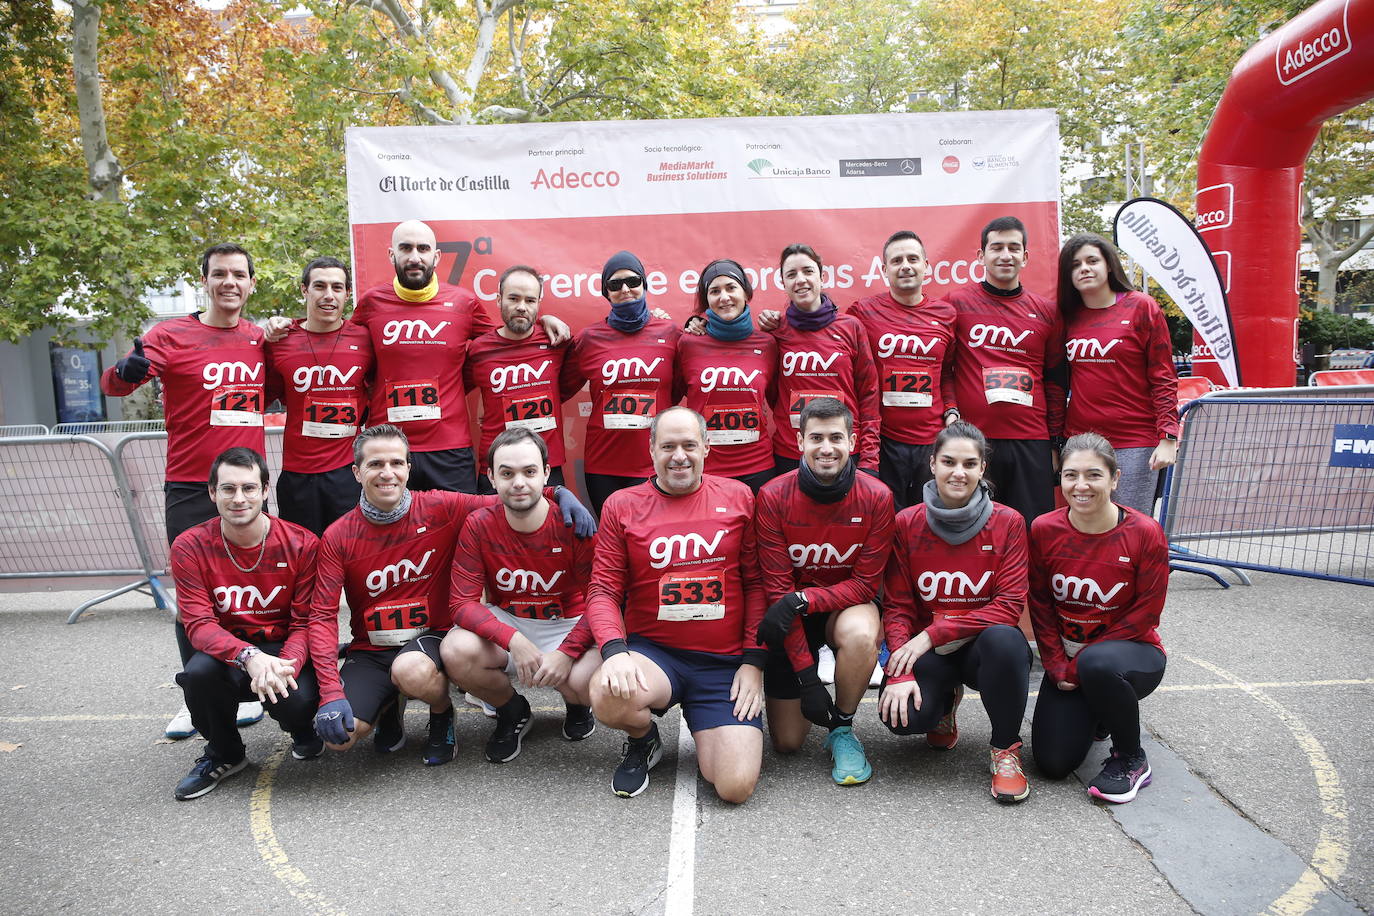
[{"x": 103, "y": 171}]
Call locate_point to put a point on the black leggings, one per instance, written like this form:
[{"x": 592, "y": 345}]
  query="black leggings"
[
  {"x": 601, "y": 486},
  {"x": 996, "y": 664},
  {"x": 1113, "y": 677},
  {"x": 213, "y": 690}
]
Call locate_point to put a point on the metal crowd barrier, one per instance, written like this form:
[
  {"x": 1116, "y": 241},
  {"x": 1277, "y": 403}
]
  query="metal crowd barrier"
[
  {"x": 91, "y": 506},
  {"x": 28, "y": 429},
  {"x": 1254, "y": 486}
]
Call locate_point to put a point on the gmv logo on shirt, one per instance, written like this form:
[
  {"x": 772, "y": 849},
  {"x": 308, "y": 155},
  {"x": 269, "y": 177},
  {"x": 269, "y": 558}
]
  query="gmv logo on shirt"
[
  {"x": 613, "y": 370},
  {"x": 1088, "y": 348},
  {"x": 806, "y": 361},
  {"x": 727, "y": 376},
  {"x": 307, "y": 377},
  {"x": 904, "y": 344},
  {"x": 216, "y": 374},
  {"x": 669, "y": 547},
  {"x": 411, "y": 329},
  {"x": 525, "y": 580},
  {"x": 818, "y": 554},
  {"x": 1073, "y": 588},
  {"x": 994, "y": 335},
  {"x": 933, "y": 585},
  {"x": 403, "y": 570},
  {"x": 243, "y": 597},
  {"x": 501, "y": 376}
]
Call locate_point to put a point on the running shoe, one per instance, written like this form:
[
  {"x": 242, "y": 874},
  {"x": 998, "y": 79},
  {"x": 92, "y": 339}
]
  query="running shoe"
[
  {"x": 390, "y": 735},
  {"x": 639, "y": 757},
  {"x": 945, "y": 734},
  {"x": 504, "y": 744},
  {"x": 1121, "y": 777},
  {"x": 825, "y": 665},
  {"x": 441, "y": 745},
  {"x": 308, "y": 747},
  {"x": 578, "y": 722},
  {"x": 1008, "y": 781},
  {"x": 488, "y": 710},
  {"x": 876, "y": 678},
  {"x": 205, "y": 775},
  {"x": 181, "y": 725},
  {"x": 249, "y": 713},
  {"x": 851, "y": 766}
]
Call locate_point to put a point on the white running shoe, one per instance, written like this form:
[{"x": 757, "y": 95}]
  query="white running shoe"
[
  {"x": 487, "y": 709},
  {"x": 181, "y": 726},
  {"x": 825, "y": 665},
  {"x": 876, "y": 678},
  {"x": 249, "y": 713}
]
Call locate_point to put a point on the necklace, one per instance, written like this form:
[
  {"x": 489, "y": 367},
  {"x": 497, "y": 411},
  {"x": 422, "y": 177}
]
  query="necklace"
[
  {"x": 310, "y": 342},
  {"x": 262, "y": 549}
]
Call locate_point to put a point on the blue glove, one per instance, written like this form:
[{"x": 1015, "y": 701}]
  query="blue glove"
[
  {"x": 334, "y": 721},
  {"x": 575, "y": 515}
]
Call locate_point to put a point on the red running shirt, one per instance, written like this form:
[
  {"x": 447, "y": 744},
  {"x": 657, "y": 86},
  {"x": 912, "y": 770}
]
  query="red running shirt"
[
  {"x": 519, "y": 384},
  {"x": 953, "y": 592},
  {"x": 683, "y": 568},
  {"x": 213, "y": 391},
  {"x": 1085, "y": 588},
  {"x": 323, "y": 379},
  {"x": 1122, "y": 378},
  {"x": 833, "y": 362},
  {"x": 913, "y": 352},
  {"x": 732, "y": 384},
  {"x": 420, "y": 349},
  {"x": 225, "y": 609}
]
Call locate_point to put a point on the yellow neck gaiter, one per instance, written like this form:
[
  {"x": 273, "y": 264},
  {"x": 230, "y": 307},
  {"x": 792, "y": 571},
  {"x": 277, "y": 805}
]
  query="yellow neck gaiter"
[{"x": 417, "y": 295}]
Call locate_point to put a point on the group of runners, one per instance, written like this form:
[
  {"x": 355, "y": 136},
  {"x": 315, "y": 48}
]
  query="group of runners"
[{"x": 826, "y": 483}]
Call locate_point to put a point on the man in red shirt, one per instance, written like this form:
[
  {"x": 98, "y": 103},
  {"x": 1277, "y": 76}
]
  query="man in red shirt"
[
  {"x": 420, "y": 331},
  {"x": 675, "y": 603},
  {"x": 824, "y": 532},
  {"x": 534, "y": 573},
  {"x": 321, "y": 369},
  {"x": 516, "y": 369},
  {"x": 391, "y": 556},
  {"x": 1009, "y": 371},
  {"x": 912, "y": 337},
  {"x": 211, "y": 367},
  {"x": 244, "y": 586}
]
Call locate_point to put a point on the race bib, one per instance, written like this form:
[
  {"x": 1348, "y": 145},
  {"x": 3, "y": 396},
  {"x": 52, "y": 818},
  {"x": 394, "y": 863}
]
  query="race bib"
[
  {"x": 627, "y": 410},
  {"x": 733, "y": 425},
  {"x": 534, "y": 413},
  {"x": 691, "y": 596},
  {"x": 1078, "y": 631},
  {"x": 1008, "y": 385},
  {"x": 275, "y": 632},
  {"x": 236, "y": 405},
  {"x": 395, "y": 623},
  {"x": 408, "y": 401},
  {"x": 907, "y": 389},
  {"x": 801, "y": 398},
  {"x": 329, "y": 418},
  {"x": 537, "y": 609}
]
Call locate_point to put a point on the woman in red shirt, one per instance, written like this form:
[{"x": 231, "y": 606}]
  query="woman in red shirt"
[
  {"x": 1121, "y": 367},
  {"x": 953, "y": 592},
  {"x": 1099, "y": 572}
]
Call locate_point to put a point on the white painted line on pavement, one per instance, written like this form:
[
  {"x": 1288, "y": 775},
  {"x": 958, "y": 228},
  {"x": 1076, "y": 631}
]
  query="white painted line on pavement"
[{"x": 682, "y": 843}]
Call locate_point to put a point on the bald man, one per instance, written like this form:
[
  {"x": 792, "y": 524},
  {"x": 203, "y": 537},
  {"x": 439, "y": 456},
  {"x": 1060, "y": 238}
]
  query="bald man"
[{"x": 420, "y": 331}]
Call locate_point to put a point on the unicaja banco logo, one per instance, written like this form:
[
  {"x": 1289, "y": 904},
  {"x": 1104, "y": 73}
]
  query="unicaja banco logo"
[{"x": 758, "y": 165}]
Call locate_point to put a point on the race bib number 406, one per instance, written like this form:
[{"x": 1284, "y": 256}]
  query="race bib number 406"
[
  {"x": 733, "y": 425},
  {"x": 691, "y": 596},
  {"x": 1008, "y": 385}
]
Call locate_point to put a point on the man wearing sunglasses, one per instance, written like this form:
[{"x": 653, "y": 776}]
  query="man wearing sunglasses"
[{"x": 627, "y": 362}]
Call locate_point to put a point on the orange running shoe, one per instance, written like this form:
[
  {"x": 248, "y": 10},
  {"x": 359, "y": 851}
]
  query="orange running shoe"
[
  {"x": 1008, "y": 782},
  {"x": 945, "y": 734}
]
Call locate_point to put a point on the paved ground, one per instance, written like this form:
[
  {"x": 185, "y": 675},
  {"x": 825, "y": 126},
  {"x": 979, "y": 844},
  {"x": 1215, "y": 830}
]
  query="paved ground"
[{"x": 1262, "y": 800}]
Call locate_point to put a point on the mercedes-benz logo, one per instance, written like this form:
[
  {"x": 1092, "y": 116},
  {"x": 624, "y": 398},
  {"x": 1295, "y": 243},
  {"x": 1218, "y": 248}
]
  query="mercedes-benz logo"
[{"x": 908, "y": 166}]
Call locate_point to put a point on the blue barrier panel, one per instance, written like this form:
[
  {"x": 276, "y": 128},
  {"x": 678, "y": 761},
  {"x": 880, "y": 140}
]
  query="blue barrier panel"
[{"x": 1278, "y": 482}]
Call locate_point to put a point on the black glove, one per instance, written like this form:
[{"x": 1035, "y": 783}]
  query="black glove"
[
  {"x": 134, "y": 367},
  {"x": 816, "y": 704},
  {"x": 777, "y": 621},
  {"x": 575, "y": 515}
]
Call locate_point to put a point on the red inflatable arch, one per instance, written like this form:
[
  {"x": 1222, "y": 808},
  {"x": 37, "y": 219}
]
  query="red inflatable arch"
[{"x": 1250, "y": 174}]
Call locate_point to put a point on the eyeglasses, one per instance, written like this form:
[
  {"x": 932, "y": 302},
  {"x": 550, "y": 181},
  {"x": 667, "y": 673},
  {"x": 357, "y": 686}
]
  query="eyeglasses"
[
  {"x": 615, "y": 286},
  {"x": 227, "y": 490}
]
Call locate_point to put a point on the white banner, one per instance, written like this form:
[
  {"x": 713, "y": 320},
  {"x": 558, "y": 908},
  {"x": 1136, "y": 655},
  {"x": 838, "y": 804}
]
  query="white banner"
[
  {"x": 564, "y": 196},
  {"x": 1164, "y": 242}
]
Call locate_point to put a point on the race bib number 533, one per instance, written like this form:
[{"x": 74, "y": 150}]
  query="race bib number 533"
[{"x": 691, "y": 596}]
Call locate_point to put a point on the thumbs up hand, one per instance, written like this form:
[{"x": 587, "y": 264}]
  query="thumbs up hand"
[{"x": 134, "y": 367}]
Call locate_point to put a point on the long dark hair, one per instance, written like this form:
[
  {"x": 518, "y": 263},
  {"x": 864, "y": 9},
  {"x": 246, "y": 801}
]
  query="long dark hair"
[{"x": 1070, "y": 300}]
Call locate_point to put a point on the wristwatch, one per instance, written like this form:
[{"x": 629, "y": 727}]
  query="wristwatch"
[{"x": 244, "y": 654}]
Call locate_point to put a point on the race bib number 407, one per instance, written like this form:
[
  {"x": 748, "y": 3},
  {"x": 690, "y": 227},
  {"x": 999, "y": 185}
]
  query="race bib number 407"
[
  {"x": 627, "y": 410},
  {"x": 691, "y": 596},
  {"x": 801, "y": 398}
]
